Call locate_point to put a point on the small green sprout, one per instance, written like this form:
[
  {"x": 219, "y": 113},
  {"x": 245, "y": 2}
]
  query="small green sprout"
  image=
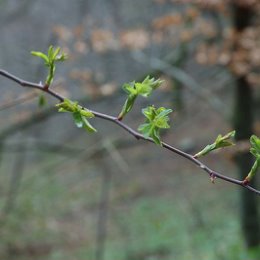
[
  {"x": 53, "y": 56},
  {"x": 156, "y": 119},
  {"x": 133, "y": 89},
  {"x": 255, "y": 150},
  {"x": 220, "y": 142},
  {"x": 42, "y": 100},
  {"x": 79, "y": 114}
]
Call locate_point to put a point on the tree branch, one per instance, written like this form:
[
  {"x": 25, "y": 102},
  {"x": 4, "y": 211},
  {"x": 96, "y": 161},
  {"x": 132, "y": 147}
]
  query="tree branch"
[
  {"x": 212, "y": 174},
  {"x": 18, "y": 101}
]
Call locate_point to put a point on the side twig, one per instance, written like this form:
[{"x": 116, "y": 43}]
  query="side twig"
[{"x": 212, "y": 174}]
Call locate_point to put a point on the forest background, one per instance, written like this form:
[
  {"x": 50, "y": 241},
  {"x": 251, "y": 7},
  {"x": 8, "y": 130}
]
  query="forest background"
[{"x": 66, "y": 194}]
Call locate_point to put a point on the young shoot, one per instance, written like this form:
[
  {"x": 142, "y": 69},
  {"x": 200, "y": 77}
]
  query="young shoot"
[
  {"x": 220, "y": 142},
  {"x": 156, "y": 119},
  {"x": 79, "y": 114},
  {"x": 53, "y": 56},
  {"x": 133, "y": 89},
  {"x": 255, "y": 150}
]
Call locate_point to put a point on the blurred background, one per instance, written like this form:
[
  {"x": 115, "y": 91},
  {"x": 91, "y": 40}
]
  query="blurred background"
[{"x": 67, "y": 194}]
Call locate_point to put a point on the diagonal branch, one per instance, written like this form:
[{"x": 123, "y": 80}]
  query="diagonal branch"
[
  {"x": 18, "y": 101},
  {"x": 212, "y": 174}
]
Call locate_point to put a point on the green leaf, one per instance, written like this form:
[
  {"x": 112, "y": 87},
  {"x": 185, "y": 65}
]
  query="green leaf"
[
  {"x": 61, "y": 57},
  {"x": 86, "y": 113},
  {"x": 133, "y": 89},
  {"x": 79, "y": 114},
  {"x": 129, "y": 88},
  {"x": 67, "y": 106},
  {"x": 255, "y": 150},
  {"x": 41, "y": 55},
  {"x": 70, "y": 106},
  {"x": 53, "y": 55},
  {"x": 220, "y": 142},
  {"x": 255, "y": 146},
  {"x": 156, "y": 136},
  {"x": 156, "y": 119},
  {"x": 158, "y": 116},
  {"x": 149, "y": 113},
  {"x": 127, "y": 106},
  {"x": 253, "y": 171},
  {"x": 146, "y": 87},
  {"x": 152, "y": 82},
  {"x": 88, "y": 126},
  {"x": 78, "y": 119},
  {"x": 161, "y": 120},
  {"x": 223, "y": 141},
  {"x": 50, "y": 53},
  {"x": 143, "y": 89},
  {"x": 145, "y": 129},
  {"x": 42, "y": 101}
]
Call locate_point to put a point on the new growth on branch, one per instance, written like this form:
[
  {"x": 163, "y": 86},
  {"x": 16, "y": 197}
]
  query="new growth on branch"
[{"x": 156, "y": 119}]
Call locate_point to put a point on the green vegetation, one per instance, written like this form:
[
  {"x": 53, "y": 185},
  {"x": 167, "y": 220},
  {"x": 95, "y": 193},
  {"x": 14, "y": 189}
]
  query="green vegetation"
[
  {"x": 133, "y": 89},
  {"x": 52, "y": 56},
  {"x": 153, "y": 227},
  {"x": 55, "y": 211},
  {"x": 255, "y": 150},
  {"x": 79, "y": 114},
  {"x": 220, "y": 142},
  {"x": 156, "y": 119}
]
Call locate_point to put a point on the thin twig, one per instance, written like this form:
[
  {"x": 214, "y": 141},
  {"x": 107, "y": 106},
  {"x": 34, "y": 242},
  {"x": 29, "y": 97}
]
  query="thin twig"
[
  {"x": 18, "y": 101},
  {"x": 212, "y": 174}
]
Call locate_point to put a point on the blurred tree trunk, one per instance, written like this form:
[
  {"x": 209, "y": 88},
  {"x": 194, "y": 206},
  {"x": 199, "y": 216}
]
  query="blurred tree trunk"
[
  {"x": 177, "y": 85},
  {"x": 243, "y": 123}
]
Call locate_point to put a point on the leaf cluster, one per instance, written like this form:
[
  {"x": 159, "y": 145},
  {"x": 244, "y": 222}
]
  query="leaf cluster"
[
  {"x": 79, "y": 114},
  {"x": 220, "y": 142},
  {"x": 255, "y": 146},
  {"x": 255, "y": 150},
  {"x": 133, "y": 89},
  {"x": 156, "y": 119},
  {"x": 53, "y": 55}
]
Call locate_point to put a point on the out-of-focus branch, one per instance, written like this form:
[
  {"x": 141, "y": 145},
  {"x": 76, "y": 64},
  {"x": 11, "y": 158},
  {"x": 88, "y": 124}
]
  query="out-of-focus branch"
[
  {"x": 18, "y": 101},
  {"x": 212, "y": 174},
  {"x": 15, "y": 181},
  {"x": 23, "y": 99},
  {"x": 182, "y": 77}
]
